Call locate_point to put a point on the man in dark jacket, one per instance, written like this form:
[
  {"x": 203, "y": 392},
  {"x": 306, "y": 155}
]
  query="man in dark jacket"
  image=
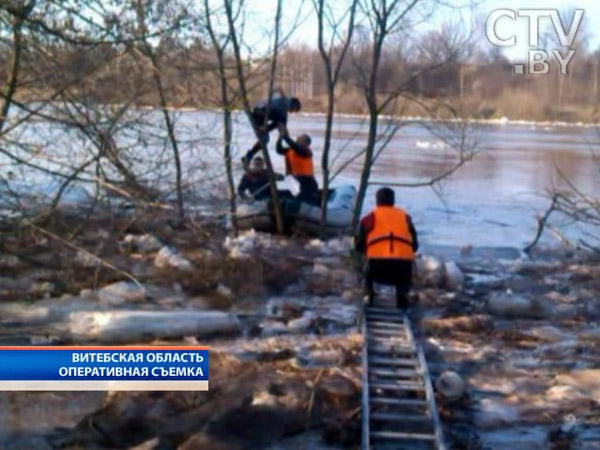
[
  {"x": 277, "y": 110},
  {"x": 299, "y": 164},
  {"x": 256, "y": 181},
  {"x": 387, "y": 239}
]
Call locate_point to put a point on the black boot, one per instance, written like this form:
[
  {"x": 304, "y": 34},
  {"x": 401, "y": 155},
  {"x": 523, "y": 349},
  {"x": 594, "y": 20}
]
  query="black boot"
[{"x": 401, "y": 298}]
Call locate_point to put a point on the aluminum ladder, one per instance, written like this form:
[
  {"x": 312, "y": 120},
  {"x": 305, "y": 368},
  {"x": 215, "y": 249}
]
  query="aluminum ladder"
[{"x": 398, "y": 404}]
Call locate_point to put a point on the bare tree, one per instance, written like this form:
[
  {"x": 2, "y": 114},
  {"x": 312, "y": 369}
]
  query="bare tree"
[
  {"x": 581, "y": 207},
  {"x": 386, "y": 18},
  {"x": 333, "y": 58},
  {"x": 64, "y": 71},
  {"x": 15, "y": 60},
  {"x": 158, "y": 81},
  {"x": 575, "y": 204},
  {"x": 220, "y": 46},
  {"x": 244, "y": 91}
]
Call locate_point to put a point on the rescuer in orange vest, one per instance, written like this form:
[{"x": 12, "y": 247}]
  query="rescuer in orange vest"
[
  {"x": 299, "y": 164},
  {"x": 388, "y": 240}
]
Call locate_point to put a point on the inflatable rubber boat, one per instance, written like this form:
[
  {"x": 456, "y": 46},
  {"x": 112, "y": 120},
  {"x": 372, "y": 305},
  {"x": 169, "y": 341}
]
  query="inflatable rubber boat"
[{"x": 301, "y": 216}]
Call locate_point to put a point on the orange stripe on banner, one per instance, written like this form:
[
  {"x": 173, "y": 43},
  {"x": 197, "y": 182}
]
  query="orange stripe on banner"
[{"x": 154, "y": 348}]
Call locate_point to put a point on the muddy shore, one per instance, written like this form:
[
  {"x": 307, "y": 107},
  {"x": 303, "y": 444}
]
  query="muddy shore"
[{"x": 282, "y": 316}]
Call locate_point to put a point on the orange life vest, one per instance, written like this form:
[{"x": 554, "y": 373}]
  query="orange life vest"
[
  {"x": 390, "y": 237},
  {"x": 297, "y": 165}
]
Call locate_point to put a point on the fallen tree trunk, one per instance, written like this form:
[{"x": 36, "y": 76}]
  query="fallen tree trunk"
[{"x": 111, "y": 327}]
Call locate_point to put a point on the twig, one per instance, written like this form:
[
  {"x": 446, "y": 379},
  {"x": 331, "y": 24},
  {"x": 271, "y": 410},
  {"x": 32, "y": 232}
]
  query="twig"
[
  {"x": 561, "y": 238},
  {"x": 87, "y": 253},
  {"x": 542, "y": 223},
  {"x": 126, "y": 194},
  {"x": 312, "y": 398}
]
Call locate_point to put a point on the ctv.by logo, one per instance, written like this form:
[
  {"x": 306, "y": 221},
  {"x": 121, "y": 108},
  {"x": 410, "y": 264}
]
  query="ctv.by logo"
[{"x": 538, "y": 59}]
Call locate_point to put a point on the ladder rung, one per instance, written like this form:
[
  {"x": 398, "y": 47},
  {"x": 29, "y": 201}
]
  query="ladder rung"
[
  {"x": 394, "y": 350},
  {"x": 373, "y": 334},
  {"x": 398, "y": 435},
  {"x": 386, "y": 315},
  {"x": 398, "y": 401},
  {"x": 389, "y": 340},
  {"x": 383, "y": 323},
  {"x": 385, "y": 318},
  {"x": 377, "y": 323},
  {"x": 387, "y": 332},
  {"x": 396, "y": 372},
  {"x": 405, "y": 386},
  {"x": 391, "y": 311},
  {"x": 400, "y": 417},
  {"x": 406, "y": 362}
]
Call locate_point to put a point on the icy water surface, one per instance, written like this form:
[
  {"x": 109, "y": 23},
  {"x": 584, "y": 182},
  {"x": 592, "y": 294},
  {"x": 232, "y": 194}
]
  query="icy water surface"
[{"x": 491, "y": 201}]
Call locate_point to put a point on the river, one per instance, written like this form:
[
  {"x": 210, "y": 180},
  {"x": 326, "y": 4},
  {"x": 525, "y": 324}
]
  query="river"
[{"x": 492, "y": 200}]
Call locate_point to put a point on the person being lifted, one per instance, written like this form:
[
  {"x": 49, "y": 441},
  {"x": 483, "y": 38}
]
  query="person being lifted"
[
  {"x": 256, "y": 181},
  {"x": 388, "y": 241},
  {"x": 299, "y": 163},
  {"x": 276, "y": 114}
]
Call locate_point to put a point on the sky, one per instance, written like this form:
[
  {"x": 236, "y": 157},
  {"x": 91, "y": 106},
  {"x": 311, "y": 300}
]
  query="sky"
[{"x": 301, "y": 13}]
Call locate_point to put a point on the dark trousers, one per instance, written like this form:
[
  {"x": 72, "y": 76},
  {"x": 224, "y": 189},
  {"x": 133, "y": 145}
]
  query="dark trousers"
[
  {"x": 309, "y": 190},
  {"x": 259, "y": 121},
  {"x": 394, "y": 272}
]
